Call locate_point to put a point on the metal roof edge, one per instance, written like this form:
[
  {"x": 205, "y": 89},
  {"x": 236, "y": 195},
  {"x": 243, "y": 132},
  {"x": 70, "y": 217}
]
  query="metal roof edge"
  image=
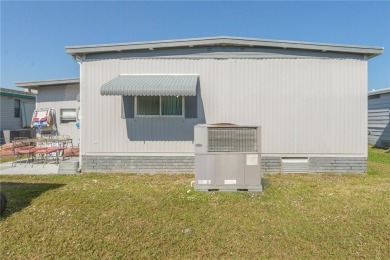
[
  {"x": 52, "y": 82},
  {"x": 379, "y": 91},
  {"x": 222, "y": 40},
  {"x": 16, "y": 93}
]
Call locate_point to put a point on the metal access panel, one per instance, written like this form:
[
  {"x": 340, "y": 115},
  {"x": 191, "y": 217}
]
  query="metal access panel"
[{"x": 227, "y": 158}]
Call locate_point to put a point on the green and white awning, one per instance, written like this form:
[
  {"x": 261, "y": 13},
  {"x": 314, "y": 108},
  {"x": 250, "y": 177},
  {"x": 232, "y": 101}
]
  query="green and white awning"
[{"x": 151, "y": 85}]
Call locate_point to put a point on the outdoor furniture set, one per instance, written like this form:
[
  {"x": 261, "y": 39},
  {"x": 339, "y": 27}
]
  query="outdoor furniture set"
[{"x": 37, "y": 150}]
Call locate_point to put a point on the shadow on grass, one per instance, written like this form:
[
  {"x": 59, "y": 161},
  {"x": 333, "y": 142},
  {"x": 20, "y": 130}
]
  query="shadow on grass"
[
  {"x": 19, "y": 195},
  {"x": 265, "y": 183},
  {"x": 379, "y": 148}
]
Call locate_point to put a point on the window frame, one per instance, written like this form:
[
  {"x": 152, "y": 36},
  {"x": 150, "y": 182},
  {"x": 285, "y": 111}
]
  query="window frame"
[
  {"x": 160, "y": 109},
  {"x": 68, "y": 121},
  {"x": 19, "y": 108}
]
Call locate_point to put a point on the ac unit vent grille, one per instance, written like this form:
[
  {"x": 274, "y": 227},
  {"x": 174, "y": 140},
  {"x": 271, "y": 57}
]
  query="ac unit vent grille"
[{"x": 225, "y": 139}]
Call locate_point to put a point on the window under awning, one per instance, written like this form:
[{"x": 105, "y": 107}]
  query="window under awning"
[{"x": 151, "y": 85}]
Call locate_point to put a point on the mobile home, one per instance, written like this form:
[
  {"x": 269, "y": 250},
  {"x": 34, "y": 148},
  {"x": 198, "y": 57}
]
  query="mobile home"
[
  {"x": 16, "y": 111},
  {"x": 62, "y": 96},
  {"x": 140, "y": 101},
  {"x": 379, "y": 117}
]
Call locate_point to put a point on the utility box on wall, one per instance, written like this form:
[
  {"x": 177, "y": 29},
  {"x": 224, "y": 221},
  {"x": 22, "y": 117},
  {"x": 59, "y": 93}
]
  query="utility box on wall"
[{"x": 227, "y": 157}]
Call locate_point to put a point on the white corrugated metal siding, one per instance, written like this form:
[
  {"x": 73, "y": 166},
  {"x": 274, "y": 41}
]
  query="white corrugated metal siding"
[
  {"x": 379, "y": 120},
  {"x": 61, "y": 97},
  {"x": 313, "y": 107},
  {"x": 7, "y": 110}
]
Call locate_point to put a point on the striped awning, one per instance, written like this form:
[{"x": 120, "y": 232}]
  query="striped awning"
[{"x": 151, "y": 85}]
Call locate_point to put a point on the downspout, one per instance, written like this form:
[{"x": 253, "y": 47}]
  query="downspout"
[
  {"x": 79, "y": 60},
  {"x": 36, "y": 106}
]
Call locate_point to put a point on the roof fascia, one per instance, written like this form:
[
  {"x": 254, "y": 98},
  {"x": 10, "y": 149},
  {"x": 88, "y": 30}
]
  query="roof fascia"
[
  {"x": 43, "y": 83},
  {"x": 379, "y": 91},
  {"x": 8, "y": 94},
  {"x": 370, "y": 51}
]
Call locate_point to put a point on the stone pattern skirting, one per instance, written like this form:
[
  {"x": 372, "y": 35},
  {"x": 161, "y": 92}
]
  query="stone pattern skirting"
[
  {"x": 139, "y": 164},
  {"x": 338, "y": 165},
  {"x": 186, "y": 164},
  {"x": 320, "y": 165},
  {"x": 271, "y": 164}
]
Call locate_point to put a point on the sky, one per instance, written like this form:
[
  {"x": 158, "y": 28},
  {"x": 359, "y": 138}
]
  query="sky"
[{"x": 34, "y": 33}]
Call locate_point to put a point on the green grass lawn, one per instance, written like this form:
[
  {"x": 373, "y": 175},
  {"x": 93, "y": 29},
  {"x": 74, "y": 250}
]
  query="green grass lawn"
[
  {"x": 6, "y": 158},
  {"x": 161, "y": 217}
]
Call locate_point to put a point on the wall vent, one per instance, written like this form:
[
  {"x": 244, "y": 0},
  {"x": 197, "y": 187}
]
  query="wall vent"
[{"x": 295, "y": 165}]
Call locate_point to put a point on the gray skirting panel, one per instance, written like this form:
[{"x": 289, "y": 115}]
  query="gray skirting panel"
[
  {"x": 186, "y": 164},
  {"x": 139, "y": 164},
  {"x": 319, "y": 165},
  {"x": 338, "y": 165}
]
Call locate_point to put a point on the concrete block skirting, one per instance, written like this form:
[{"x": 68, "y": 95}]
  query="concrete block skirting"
[
  {"x": 186, "y": 164},
  {"x": 271, "y": 164},
  {"x": 338, "y": 165},
  {"x": 139, "y": 164},
  {"x": 320, "y": 165}
]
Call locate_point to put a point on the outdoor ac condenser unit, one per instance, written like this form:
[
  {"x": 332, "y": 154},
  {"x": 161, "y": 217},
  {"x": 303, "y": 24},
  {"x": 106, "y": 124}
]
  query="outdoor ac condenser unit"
[{"x": 227, "y": 157}]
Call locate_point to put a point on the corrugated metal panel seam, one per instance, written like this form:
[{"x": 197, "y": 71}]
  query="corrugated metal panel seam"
[{"x": 151, "y": 85}]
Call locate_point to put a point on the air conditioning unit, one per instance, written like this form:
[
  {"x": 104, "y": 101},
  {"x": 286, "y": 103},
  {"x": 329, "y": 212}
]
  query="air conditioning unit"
[{"x": 227, "y": 157}]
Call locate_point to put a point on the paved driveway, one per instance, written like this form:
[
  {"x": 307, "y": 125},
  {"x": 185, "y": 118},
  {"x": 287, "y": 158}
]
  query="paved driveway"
[{"x": 23, "y": 168}]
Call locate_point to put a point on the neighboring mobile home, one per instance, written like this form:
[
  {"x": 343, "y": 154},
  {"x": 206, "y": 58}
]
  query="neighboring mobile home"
[
  {"x": 61, "y": 95},
  {"x": 379, "y": 117},
  {"x": 140, "y": 101},
  {"x": 16, "y": 111}
]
